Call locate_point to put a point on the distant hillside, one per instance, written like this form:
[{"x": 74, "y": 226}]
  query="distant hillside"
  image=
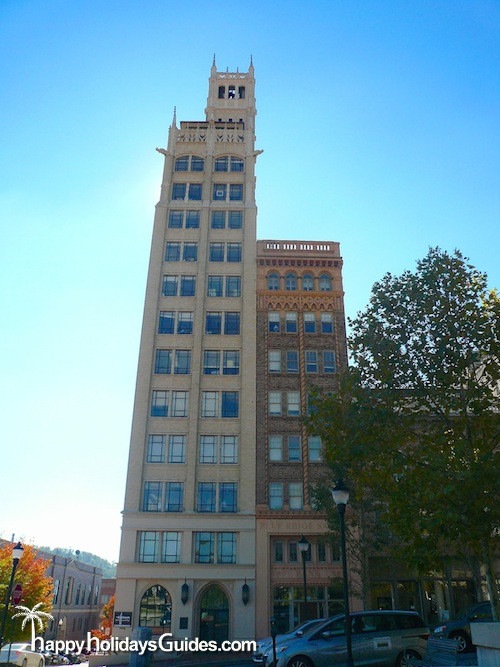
[{"x": 108, "y": 568}]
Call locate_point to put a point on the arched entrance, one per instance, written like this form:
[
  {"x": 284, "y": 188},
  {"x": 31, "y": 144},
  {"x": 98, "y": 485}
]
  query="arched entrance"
[
  {"x": 214, "y": 615},
  {"x": 156, "y": 609}
]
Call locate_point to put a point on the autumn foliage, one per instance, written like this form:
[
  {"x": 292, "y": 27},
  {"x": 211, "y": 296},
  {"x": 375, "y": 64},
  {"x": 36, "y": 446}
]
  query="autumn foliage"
[
  {"x": 104, "y": 631},
  {"x": 37, "y": 586}
]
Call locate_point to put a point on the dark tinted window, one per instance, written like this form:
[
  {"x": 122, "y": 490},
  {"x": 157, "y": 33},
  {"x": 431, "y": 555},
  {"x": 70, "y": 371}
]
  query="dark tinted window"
[{"x": 407, "y": 621}]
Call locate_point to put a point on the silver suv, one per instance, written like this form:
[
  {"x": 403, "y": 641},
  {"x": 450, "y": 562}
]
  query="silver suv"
[{"x": 381, "y": 638}]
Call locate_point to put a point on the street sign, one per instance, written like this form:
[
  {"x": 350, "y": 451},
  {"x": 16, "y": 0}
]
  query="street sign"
[
  {"x": 17, "y": 593},
  {"x": 123, "y": 619}
]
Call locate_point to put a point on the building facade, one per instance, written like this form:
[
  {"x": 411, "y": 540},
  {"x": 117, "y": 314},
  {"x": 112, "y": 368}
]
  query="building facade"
[
  {"x": 187, "y": 558},
  {"x": 301, "y": 344}
]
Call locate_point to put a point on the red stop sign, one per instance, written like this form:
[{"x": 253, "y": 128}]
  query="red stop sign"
[{"x": 17, "y": 594}]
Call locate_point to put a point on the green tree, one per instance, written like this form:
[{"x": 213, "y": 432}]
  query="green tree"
[
  {"x": 37, "y": 588},
  {"x": 415, "y": 425}
]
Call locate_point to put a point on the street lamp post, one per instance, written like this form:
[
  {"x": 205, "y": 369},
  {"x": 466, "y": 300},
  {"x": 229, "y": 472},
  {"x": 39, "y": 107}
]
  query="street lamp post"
[
  {"x": 17, "y": 552},
  {"x": 303, "y": 545},
  {"x": 340, "y": 495}
]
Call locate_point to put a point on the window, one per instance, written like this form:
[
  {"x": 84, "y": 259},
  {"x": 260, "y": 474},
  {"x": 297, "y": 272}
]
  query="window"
[
  {"x": 208, "y": 449},
  {"x": 148, "y": 546},
  {"x": 328, "y": 361},
  {"x": 173, "y": 252},
  {"x": 291, "y": 322},
  {"x": 229, "y": 449},
  {"x": 221, "y": 163},
  {"x": 190, "y": 252},
  {"x": 214, "y": 286},
  {"x": 206, "y": 497},
  {"x": 230, "y": 404},
  {"x": 177, "y": 449},
  {"x": 237, "y": 163},
  {"x": 182, "y": 365},
  {"x": 174, "y": 496},
  {"x": 152, "y": 497},
  {"x": 195, "y": 190},
  {"x": 326, "y": 323},
  {"x": 171, "y": 547},
  {"x": 182, "y": 163},
  {"x": 275, "y": 496},
  {"x": 166, "y": 322},
  {"x": 275, "y": 448},
  {"x": 163, "y": 361},
  {"x": 216, "y": 252},
  {"x": 159, "y": 403},
  {"x": 175, "y": 219},
  {"x": 321, "y": 552},
  {"x": 218, "y": 220},
  {"x": 197, "y": 163},
  {"x": 273, "y": 281},
  {"x": 294, "y": 448},
  {"x": 233, "y": 252},
  {"x": 290, "y": 282},
  {"x": 274, "y": 361},
  {"x": 232, "y": 324},
  {"x": 170, "y": 285},
  {"x": 292, "y": 361},
  {"x": 314, "y": 448},
  {"x": 279, "y": 555},
  {"x": 273, "y": 319},
  {"x": 325, "y": 283},
  {"x": 241, "y": 92},
  {"x": 184, "y": 323},
  {"x": 209, "y": 403},
  {"x": 233, "y": 286},
  {"x": 311, "y": 361},
  {"x": 293, "y": 403},
  {"x": 235, "y": 219},
  {"x": 236, "y": 192},
  {"x": 226, "y": 548},
  {"x": 156, "y": 449},
  {"x": 180, "y": 403},
  {"x": 219, "y": 192},
  {"x": 228, "y": 497},
  {"x": 187, "y": 163},
  {"x": 204, "y": 547},
  {"x": 192, "y": 219},
  {"x": 307, "y": 283},
  {"x": 178, "y": 191},
  {"x": 188, "y": 285},
  {"x": 211, "y": 362},
  {"x": 309, "y": 323},
  {"x": 275, "y": 403},
  {"x": 231, "y": 362},
  {"x": 213, "y": 323},
  {"x": 295, "y": 496}
]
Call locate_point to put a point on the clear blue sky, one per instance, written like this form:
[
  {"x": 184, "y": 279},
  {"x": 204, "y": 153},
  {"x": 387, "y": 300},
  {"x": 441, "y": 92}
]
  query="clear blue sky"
[{"x": 379, "y": 121}]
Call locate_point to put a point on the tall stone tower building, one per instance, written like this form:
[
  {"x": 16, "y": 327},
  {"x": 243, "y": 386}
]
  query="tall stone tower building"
[
  {"x": 187, "y": 558},
  {"x": 235, "y": 334}
]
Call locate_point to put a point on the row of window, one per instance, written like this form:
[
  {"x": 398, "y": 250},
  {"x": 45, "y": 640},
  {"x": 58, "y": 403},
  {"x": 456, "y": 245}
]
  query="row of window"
[
  {"x": 181, "y": 365},
  {"x": 165, "y": 547},
  {"x": 215, "y": 362},
  {"x": 291, "y": 281},
  {"x": 82, "y": 594},
  {"x": 172, "y": 448},
  {"x": 211, "y": 497},
  {"x": 284, "y": 403},
  {"x": 290, "y": 359},
  {"x": 289, "y": 448},
  {"x": 218, "y": 220},
  {"x": 217, "y": 286},
  {"x": 194, "y": 192},
  {"x": 175, "y": 251},
  {"x": 289, "y": 324},
  {"x": 224, "y": 404},
  {"x": 319, "y": 552},
  {"x": 222, "y": 163}
]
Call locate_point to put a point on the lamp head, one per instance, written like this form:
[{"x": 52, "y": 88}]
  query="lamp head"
[{"x": 340, "y": 493}]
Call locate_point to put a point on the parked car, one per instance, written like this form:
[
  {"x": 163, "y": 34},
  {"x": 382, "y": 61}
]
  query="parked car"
[
  {"x": 384, "y": 638},
  {"x": 267, "y": 643},
  {"x": 458, "y": 627},
  {"x": 22, "y": 655}
]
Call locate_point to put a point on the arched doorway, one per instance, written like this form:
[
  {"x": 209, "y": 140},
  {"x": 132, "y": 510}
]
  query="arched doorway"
[
  {"x": 214, "y": 615},
  {"x": 156, "y": 609}
]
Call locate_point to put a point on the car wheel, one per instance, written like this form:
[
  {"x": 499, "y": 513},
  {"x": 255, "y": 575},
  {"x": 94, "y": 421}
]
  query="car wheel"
[
  {"x": 300, "y": 661},
  {"x": 408, "y": 658},
  {"x": 462, "y": 640}
]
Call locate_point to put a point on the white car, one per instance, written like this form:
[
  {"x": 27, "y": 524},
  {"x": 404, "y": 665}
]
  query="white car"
[{"x": 21, "y": 655}]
